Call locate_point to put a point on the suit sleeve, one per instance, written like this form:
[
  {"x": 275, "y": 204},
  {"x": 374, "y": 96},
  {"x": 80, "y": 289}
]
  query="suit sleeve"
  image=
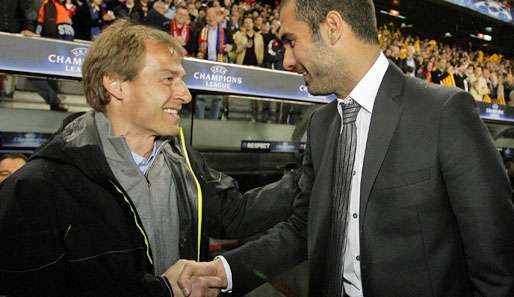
[
  {"x": 480, "y": 196},
  {"x": 265, "y": 206},
  {"x": 284, "y": 246},
  {"x": 232, "y": 215}
]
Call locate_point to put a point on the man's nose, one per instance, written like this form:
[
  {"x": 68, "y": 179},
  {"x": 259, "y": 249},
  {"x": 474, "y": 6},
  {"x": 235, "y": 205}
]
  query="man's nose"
[
  {"x": 183, "y": 93},
  {"x": 289, "y": 60}
]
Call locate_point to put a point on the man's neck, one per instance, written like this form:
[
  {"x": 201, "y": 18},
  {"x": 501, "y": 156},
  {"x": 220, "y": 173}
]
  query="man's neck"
[
  {"x": 138, "y": 142},
  {"x": 357, "y": 69},
  {"x": 140, "y": 145}
]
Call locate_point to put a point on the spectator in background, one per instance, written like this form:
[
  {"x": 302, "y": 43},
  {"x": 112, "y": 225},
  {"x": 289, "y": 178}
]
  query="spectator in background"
[
  {"x": 439, "y": 72},
  {"x": 127, "y": 10},
  {"x": 144, "y": 7},
  {"x": 180, "y": 29},
  {"x": 193, "y": 12},
  {"x": 249, "y": 45},
  {"x": 70, "y": 7},
  {"x": 508, "y": 87},
  {"x": 478, "y": 88},
  {"x": 235, "y": 19},
  {"x": 171, "y": 10},
  {"x": 410, "y": 61},
  {"x": 223, "y": 18},
  {"x": 15, "y": 17},
  {"x": 214, "y": 42},
  {"x": 258, "y": 22},
  {"x": 497, "y": 94},
  {"x": 156, "y": 18},
  {"x": 10, "y": 163},
  {"x": 275, "y": 54},
  {"x": 267, "y": 36},
  {"x": 53, "y": 21},
  {"x": 90, "y": 18},
  {"x": 459, "y": 76},
  {"x": 250, "y": 51}
]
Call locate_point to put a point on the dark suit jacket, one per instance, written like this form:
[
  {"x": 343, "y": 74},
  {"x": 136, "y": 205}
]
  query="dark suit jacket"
[{"x": 436, "y": 213}]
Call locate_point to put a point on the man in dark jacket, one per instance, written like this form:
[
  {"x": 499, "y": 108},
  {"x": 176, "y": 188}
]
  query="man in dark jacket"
[
  {"x": 117, "y": 196},
  {"x": 16, "y": 16},
  {"x": 156, "y": 18}
]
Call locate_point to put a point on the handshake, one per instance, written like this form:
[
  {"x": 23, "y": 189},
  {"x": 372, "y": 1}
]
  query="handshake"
[{"x": 197, "y": 279}]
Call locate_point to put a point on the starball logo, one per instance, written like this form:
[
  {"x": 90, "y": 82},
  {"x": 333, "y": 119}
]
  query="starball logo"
[
  {"x": 495, "y": 111},
  {"x": 72, "y": 62},
  {"x": 217, "y": 78}
]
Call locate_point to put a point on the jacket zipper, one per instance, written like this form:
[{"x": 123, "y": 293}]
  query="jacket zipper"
[
  {"x": 198, "y": 190},
  {"x": 139, "y": 227}
]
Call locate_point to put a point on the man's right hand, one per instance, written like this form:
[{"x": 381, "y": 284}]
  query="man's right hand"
[{"x": 198, "y": 279}]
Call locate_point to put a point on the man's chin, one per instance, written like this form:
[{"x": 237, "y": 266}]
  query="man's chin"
[
  {"x": 171, "y": 132},
  {"x": 317, "y": 91}
]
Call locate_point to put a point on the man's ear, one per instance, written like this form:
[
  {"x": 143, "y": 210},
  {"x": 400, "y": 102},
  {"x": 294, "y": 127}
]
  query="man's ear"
[
  {"x": 113, "y": 85},
  {"x": 335, "y": 27}
]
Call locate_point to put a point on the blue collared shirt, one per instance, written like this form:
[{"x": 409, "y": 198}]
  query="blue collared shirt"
[{"x": 143, "y": 164}]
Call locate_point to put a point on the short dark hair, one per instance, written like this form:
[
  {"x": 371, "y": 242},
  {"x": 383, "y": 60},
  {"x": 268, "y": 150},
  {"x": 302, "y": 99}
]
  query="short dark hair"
[
  {"x": 359, "y": 14},
  {"x": 13, "y": 156}
]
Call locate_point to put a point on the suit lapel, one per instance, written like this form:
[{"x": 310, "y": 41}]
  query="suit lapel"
[
  {"x": 324, "y": 158},
  {"x": 384, "y": 120}
]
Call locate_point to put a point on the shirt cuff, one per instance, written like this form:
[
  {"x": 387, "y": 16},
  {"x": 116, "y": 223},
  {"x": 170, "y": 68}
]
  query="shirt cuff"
[{"x": 228, "y": 273}]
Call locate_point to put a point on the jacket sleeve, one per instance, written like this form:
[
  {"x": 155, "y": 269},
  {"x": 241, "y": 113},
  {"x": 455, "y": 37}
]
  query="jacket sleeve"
[
  {"x": 32, "y": 250},
  {"x": 33, "y": 254},
  {"x": 480, "y": 197}
]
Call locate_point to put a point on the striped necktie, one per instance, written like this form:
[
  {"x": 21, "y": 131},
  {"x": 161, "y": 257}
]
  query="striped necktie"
[{"x": 345, "y": 158}]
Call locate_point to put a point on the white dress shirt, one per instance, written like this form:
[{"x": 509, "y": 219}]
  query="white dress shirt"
[{"x": 364, "y": 93}]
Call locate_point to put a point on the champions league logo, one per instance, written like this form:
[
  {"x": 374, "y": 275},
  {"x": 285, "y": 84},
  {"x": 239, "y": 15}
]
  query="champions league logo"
[
  {"x": 495, "y": 111},
  {"x": 71, "y": 63},
  {"x": 216, "y": 78},
  {"x": 79, "y": 51},
  {"x": 218, "y": 69}
]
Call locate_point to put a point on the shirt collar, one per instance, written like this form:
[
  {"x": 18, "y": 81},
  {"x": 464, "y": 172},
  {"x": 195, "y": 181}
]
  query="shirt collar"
[
  {"x": 144, "y": 163},
  {"x": 366, "y": 89}
]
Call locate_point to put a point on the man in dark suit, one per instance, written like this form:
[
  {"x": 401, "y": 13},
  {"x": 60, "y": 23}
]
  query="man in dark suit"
[{"x": 403, "y": 192}]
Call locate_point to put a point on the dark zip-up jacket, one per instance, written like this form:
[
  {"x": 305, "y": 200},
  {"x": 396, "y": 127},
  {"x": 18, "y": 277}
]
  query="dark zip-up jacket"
[{"x": 68, "y": 227}]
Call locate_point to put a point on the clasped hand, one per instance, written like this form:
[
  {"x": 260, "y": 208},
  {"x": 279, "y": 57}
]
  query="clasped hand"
[{"x": 197, "y": 279}]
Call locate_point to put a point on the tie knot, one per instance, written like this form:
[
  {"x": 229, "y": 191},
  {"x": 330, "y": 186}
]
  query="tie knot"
[{"x": 350, "y": 110}]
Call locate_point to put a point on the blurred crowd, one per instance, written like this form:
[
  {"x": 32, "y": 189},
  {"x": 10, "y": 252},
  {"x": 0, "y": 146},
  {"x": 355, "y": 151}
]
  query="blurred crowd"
[
  {"x": 488, "y": 77},
  {"x": 244, "y": 32},
  {"x": 219, "y": 30}
]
